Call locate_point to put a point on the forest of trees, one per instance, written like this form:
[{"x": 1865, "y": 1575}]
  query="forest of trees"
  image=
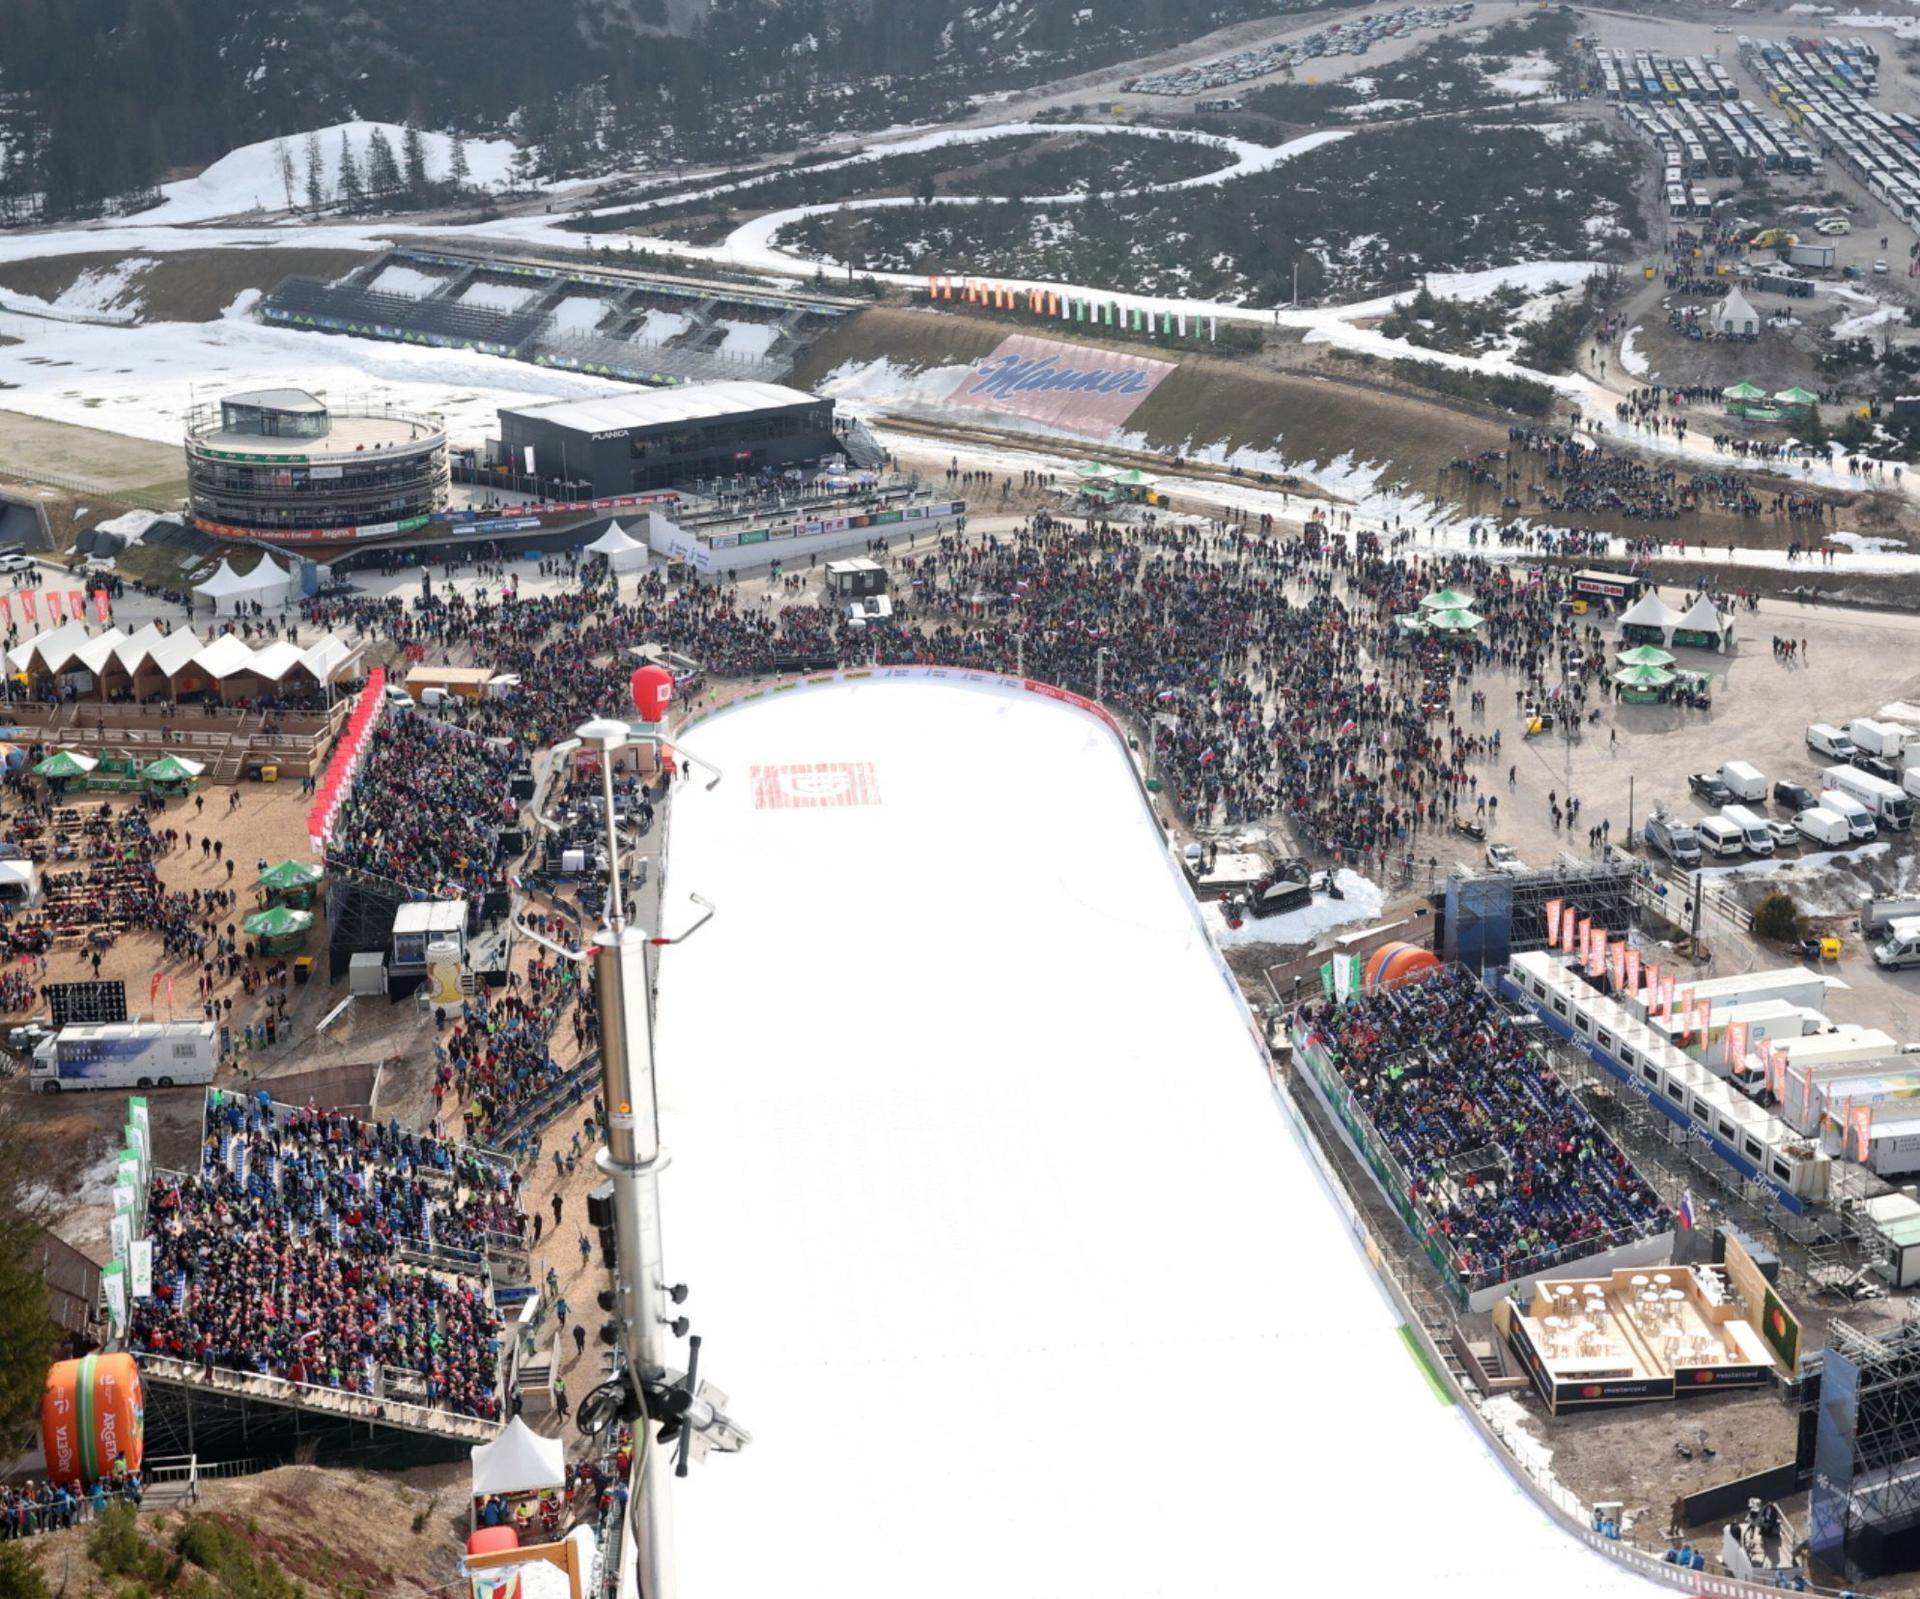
[{"x": 99, "y": 99}]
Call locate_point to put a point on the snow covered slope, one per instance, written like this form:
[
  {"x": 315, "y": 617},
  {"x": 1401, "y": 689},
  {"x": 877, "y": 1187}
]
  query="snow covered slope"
[
  {"x": 998, "y": 1241},
  {"x": 248, "y": 179}
]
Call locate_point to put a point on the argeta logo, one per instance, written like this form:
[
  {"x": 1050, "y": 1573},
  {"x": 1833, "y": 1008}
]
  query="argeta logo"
[{"x": 814, "y": 785}]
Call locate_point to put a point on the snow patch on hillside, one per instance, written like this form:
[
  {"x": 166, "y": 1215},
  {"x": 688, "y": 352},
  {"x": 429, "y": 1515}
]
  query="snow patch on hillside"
[{"x": 249, "y": 179}]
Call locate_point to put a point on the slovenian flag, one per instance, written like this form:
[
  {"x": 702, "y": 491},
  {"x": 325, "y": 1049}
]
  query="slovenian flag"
[{"x": 1685, "y": 1216}]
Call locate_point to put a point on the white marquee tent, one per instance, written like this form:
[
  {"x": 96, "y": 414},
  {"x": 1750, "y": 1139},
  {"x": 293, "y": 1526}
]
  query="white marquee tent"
[
  {"x": 148, "y": 661},
  {"x": 1652, "y": 612},
  {"x": 623, "y": 553},
  {"x": 226, "y": 591},
  {"x": 1704, "y": 620},
  {"x": 518, "y": 1461}
]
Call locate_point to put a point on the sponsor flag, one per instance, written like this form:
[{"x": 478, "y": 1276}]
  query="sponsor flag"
[
  {"x": 1617, "y": 955},
  {"x": 1859, "y": 1131},
  {"x": 76, "y": 604},
  {"x": 1597, "y": 954},
  {"x": 1553, "y": 921},
  {"x": 1683, "y": 1217},
  {"x": 1567, "y": 919},
  {"x": 1736, "y": 1050},
  {"x": 141, "y": 1270},
  {"x": 1583, "y": 936},
  {"x": 26, "y": 605},
  {"x": 114, "y": 1281},
  {"x": 101, "y": 607},
  {"x": 1632, "y": 961},
  {"x": 53, "y": 605}
]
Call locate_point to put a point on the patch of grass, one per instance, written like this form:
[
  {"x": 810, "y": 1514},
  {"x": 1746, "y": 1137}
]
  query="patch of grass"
[{"x": 1462, "y": 327}]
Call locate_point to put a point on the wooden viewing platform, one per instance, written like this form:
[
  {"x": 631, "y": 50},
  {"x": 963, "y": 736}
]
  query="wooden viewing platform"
[{"x": 374, "y": 1409}]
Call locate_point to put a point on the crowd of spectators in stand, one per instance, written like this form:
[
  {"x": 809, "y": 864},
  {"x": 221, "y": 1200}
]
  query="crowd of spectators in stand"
[
  {"x": 426, "y": 809},
  {"x": 282, "y": 1255},
  {"x": 1439, "y": 1072},
  {"x": 1577, "y": 475},
  {"x": 498, "y": 1058},
  {"x": 1267, "y": 669}
]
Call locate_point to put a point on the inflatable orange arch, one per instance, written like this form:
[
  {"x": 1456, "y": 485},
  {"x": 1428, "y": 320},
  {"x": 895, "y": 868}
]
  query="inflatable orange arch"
[
  {"x": 1395, "y": 963},
  {"x": 92, "y": 1413}
]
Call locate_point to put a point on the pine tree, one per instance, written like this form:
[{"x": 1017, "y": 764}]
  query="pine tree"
[
  {"x": 414, "y": 153},
  {"x": 383, "y": 170},
  {"x": 316, "y": 175},
  {"x": 283, "y": 165},
  {"x": 457, "y": 164},
  {"x": 353, "y": 193}
]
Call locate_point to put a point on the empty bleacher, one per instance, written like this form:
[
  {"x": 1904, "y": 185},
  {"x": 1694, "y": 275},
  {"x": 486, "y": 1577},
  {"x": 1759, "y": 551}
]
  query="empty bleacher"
[{"x": 649, "y": 330}]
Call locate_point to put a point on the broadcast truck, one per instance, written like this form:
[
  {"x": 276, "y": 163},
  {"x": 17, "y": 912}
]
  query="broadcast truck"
[{"x": 126, "y": 1055}]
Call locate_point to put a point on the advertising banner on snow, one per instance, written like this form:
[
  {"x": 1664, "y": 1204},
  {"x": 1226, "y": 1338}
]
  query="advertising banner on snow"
[{"x": 1070, "y": 386}]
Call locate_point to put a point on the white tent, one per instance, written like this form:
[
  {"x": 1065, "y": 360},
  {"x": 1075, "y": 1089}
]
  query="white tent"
[
  {"x": 518, "y": 1461},
  {"x": 1650, "y": 611},
  {"x": 1735, "y": 316},
  {"x": 1704, "y": 618},
  {"x": 226, "y": 591},
  {"x": 18, "y": 884},
  {"x": 624, "y": 554}
]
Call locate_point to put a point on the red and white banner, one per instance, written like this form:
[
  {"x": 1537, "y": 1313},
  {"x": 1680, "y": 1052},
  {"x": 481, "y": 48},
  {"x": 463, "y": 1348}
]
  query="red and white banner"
[
  {"x": 53, "y": 605},
  {"x": 1597, "y": 953},
  {"x": 27, "y": 607},
  {"x": 1553, "y": 922},
  {"x": 101, "y": 607},
  {"x": 76, "y": 604}
]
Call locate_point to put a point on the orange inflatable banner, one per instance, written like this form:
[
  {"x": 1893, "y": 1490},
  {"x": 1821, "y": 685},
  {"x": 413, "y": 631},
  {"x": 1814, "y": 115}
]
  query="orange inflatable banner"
[{"x": 91, "y": 1415}]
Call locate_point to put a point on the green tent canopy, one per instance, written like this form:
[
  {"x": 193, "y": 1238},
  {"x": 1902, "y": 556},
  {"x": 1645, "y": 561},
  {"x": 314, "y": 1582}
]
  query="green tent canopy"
[
  {"x": 289, "y": 875},
  {"x": 64, "y": 763},
  {"x": 278, "y": 922},
  {"x": 1644, "y": 655},
  {"x": 1744, "y": 391},
  {"x": 1453, "y": 621},
  {"x": 1644, "y": 677},
  {"x": 1094, "y": 469},
  {"x": 1134, "y": 478},
  {"x": 1447, "y": 600},
  {"x": 171, "y": 769},
  {"x": 1797, "y": 396}
]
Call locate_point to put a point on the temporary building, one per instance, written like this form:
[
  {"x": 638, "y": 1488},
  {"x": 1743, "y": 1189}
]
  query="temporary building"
[
  {"x": 519, "y": 1461},
  {"x": 1649, "y": 620},
  {"x": 623, "y": 553},
  {"x": 18, "y": 884},
  {"x": 1704, "y": 627},
  {"x": 1735, "y": 317},
  {"x": 227, "y": 590}
]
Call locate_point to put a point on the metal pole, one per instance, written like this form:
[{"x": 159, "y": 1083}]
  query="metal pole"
[{"x": 632, "y": 1158}]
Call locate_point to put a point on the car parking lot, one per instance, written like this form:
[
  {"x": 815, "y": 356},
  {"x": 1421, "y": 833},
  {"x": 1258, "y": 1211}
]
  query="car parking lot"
[{"x": 1352, "y": 37}]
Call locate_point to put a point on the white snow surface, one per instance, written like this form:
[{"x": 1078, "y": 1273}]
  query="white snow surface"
[
  {"x": 1034, "y": 1163},
  {"x": 1632, "y": 359},
  {"x": 657, "y": 327},
  {"x": 1856, "y": 327},
  {"x": 497, "y": 296},
  {"x": 747, "y": 338},
  {"x": 248, "y": 179},
  {"x": 410, "y": 281},
  {"x": 140, "y": 380},
  {"x": 1364, "y": 900},
  {"x": 579, "y": 313}
]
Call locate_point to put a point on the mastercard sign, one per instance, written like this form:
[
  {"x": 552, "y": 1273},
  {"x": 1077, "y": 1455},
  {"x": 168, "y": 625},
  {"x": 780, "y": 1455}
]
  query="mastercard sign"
[{"x": 92, "y": 1414}]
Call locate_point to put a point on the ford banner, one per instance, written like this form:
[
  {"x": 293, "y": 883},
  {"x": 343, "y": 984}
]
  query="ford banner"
[{"x": 1070, "y": 386}]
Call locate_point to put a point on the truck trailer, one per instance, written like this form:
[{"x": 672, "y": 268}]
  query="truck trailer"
[{"x": 126, "y": 1055}]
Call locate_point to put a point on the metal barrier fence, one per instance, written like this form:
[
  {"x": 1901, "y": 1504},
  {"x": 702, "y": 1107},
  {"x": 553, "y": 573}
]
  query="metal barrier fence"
[{"x": 347, "y": 1402}]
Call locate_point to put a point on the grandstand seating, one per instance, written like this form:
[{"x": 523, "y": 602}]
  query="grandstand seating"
[{"x": 1507, "y": 1171}]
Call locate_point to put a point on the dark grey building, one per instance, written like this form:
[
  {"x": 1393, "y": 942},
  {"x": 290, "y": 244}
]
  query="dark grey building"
[{"x": 657, "y": 438}]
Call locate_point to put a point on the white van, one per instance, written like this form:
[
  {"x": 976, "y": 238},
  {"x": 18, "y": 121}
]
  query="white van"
[
  {"x": 1754, "y": 832},
  {"x": 1823, "y": 738},
  {"x": 1901, "y": 947},
  {"x": 1821, "y": 826},
  {"x": 1718, "y": 836},
  {"x": 1851, "y": 811}
]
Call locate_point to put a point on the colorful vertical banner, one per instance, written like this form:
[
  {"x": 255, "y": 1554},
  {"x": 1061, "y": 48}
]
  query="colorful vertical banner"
[
  {"x": 1553, "y": 922},
  {"x": 1567, "y": 919},
  {"x": 1617, "y": 970},
  {"x": 76, "y": 604},
  {"x": 53, "y": 605},
  {"x": 1859, "y": 1131},
  {"x": 100, "y": 606},
  {"x": 1736, "y": 1051},
  {"x": 1597, "y": 953},
  {"x": 26, "y": 605},
  {"x": 1631, "y": 959}
]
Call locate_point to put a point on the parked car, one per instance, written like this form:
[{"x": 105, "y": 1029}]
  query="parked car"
[
  {"x": 16, "y": 563},
  {"x": 1880, "y": 267},
  {"x": 1504, "y": 858},
  {"x": 1785, "y": 835},
  {"x": 1833, "y": 227},
  {"x": 1797, "y": 797},
  {"x": 1709, "y": 787}
]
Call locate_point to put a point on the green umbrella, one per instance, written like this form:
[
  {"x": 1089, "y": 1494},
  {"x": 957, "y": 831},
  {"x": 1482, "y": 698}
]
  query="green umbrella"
[
  {"x": 1087, "y": 469},
  {"x": 1644, "y": 677},
  {"x": 278, "y": 922},
  {"x": 290, "y": 874},
  {"x": 1447, "y": 600},
  {"x": 64, "y": 763},
  {"x": 1744, "y": 391},
  {"x": 1454, "y": 621},
  {"x": 1644, "y": 655},
  {"x": 1134, "y": 478},
  {"x": 171, "y": 769}
]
